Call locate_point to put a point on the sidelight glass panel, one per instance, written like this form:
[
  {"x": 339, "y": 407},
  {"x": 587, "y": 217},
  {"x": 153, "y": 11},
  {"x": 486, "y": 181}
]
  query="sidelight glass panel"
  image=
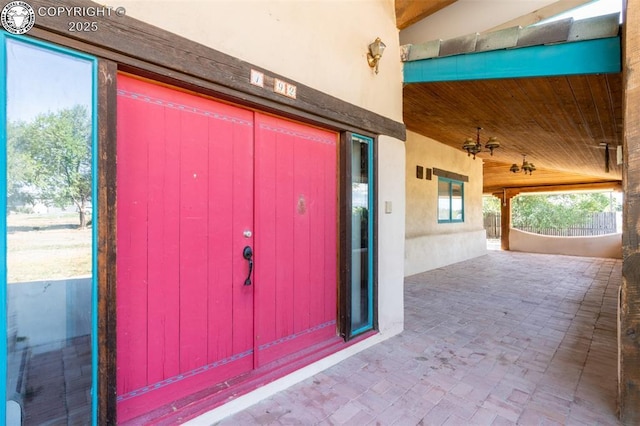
[
  {"x": 49, "y": 287},
  {"x": 361, "y": 234}
]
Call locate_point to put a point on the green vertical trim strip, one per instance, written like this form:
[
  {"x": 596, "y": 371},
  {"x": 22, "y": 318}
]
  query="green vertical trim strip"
[
  {"x": 600, "y": 56},
  {"x": 3, "y": 230},
  {"x": 94, "y": 244}
]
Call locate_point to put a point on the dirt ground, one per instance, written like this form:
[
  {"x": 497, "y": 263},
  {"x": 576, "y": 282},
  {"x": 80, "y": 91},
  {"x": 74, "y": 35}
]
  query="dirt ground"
[{"x": 46, "y": 246}]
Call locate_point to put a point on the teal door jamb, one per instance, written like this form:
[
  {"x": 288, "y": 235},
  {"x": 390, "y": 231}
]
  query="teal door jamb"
[
  {"x": 600, "y": 56},
  {"x": 3, "y": 230},
  {"x": 370, "y": 230},
  {"x": 3, "y": 221}
]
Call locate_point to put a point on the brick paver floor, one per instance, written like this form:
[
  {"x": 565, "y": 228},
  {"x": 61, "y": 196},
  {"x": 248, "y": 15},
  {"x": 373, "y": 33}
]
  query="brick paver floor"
[
  {"x": 59, "y": 386},
  {"x": 507, "y": 338}
]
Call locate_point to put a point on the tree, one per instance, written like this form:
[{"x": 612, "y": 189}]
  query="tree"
[
  {"x": 557, "y": 211},
  {"x": 20, "y": 170},
  {"x": 490, "y": 204},
  {"x": 57, "y": 149}
]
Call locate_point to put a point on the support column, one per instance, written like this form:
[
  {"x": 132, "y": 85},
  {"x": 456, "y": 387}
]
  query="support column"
[
  {"x": 629, "y": 310},
  {"x": 505, "y": 215},
  {"x": 505, "y": 221}
]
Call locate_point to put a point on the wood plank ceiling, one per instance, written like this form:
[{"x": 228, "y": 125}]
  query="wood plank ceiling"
[
  {"x": 411, "y": 11},
  {"x": 558, "y": 122}
]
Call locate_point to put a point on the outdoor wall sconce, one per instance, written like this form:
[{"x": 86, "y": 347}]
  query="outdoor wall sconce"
[
  {"x": 526, "y": 167},
  {"x": 375, "y": 53},
  {"x": 475, "y": 147}
]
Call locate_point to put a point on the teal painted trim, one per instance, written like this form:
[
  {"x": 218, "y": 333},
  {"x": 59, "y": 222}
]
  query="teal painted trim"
[
  {"x": 94, "y": 243},
  {"x": 599, "y": 56},
  {"x": 94, "y": 206},
  {"x": 451, "y": 182},
  {"x": 3, "y": 229},
  {"x": 370, "y": 229}
]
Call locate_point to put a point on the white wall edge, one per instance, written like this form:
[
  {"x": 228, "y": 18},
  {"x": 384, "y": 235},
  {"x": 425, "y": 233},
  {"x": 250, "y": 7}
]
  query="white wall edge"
[{"x": 245, "y": 401}]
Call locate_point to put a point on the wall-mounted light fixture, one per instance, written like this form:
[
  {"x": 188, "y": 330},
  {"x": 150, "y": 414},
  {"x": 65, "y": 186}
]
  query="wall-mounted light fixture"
[
  {"x": 526, "y": 167},
  {"x": 375, "y": 53},
  {"x": 475, "y": 147}
]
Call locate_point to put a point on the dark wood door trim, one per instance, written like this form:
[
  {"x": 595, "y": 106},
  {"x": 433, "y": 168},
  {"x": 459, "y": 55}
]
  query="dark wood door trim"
[
  {"x": 137, "y": 45},
  {"x": 106, "y": 273}
]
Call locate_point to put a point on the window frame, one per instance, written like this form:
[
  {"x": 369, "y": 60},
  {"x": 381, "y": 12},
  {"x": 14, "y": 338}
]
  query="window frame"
[
  {"x": 451, "y": 183},
  {"x": 96, "y": 191},
  {"x": 346, "y": 285}
]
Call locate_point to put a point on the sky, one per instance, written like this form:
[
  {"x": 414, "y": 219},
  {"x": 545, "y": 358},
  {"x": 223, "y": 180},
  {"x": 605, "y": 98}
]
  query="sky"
[{"x": 40, "y": 81}]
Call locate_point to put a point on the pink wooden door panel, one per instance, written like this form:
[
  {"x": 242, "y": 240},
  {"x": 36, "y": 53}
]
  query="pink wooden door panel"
[
  {"x": 185, "y": 196},
  {"x": 295, "y": 242}
]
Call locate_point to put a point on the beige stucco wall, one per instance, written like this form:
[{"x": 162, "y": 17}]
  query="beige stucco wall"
[
  {"x": 596, "y": 246},
  {"x": 430, "y": 244},
  {"x": 391, "y": 227},
  {"x": 321, "y": 43}
]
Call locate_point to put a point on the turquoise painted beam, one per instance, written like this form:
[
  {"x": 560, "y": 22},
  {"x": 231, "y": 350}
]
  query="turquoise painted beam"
[{"x": 598, "y": 56}]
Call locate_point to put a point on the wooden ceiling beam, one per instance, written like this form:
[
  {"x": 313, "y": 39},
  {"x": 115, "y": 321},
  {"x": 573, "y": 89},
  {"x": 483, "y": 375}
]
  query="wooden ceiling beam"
[
  {"x": 593, "y": 186},
  {"x": 409, "y": 12}
]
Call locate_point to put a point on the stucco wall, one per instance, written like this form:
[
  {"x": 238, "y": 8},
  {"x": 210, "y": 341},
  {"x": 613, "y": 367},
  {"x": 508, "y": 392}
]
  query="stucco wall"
[
  {"x": 320, "y": 43},
  {"x": 391, "y": 236},
  {"x": 596, "y": 246},
  {"x": 430, "y": 244}
]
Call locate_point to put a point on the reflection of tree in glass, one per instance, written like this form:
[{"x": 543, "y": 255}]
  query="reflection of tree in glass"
[{"x": 52, "y": 159}]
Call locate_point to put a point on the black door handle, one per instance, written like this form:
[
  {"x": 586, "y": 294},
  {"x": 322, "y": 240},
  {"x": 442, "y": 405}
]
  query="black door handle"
[{"x": 247, "y": 253}]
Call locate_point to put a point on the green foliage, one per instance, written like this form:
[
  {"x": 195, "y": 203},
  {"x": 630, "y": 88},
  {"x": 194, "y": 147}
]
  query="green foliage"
[
  {"x": 20, "y": 170},
  {"x": 490, "y": 204},
  {"x": 556, "y": 211},
  {"x": 50, "y": 159}
]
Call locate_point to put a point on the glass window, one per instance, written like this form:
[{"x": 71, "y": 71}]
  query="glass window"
[
  {"x": 444, "y": 200},
  {"x": 361, "y": 292},
  {"x": 450, "y": 201},
  {"x": 48, "y": 232}
]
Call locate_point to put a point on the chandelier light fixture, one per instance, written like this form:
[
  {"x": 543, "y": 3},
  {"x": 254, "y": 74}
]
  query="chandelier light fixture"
[
  {"x": 526, "y": 166},
  {"x": 473, "y": 147}
]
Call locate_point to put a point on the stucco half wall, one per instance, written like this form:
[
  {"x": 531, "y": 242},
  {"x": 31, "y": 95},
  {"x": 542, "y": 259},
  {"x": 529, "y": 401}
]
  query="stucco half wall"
[
  {"x": 595, "y": 246},
  {"x": 429, "y": 244},
  {"x": 434, "y": 251}
]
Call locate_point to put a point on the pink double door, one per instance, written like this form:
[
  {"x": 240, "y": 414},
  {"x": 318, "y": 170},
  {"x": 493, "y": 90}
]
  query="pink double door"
[{"x": 226, "y": 254}]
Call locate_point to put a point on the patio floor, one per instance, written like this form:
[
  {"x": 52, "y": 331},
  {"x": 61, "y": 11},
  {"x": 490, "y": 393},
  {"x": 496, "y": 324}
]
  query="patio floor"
[{"x": 508, "y": 338}]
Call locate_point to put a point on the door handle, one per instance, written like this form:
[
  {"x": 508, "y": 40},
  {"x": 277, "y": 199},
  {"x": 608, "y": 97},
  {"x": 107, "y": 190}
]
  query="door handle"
[{"x": 247, "y": 253}]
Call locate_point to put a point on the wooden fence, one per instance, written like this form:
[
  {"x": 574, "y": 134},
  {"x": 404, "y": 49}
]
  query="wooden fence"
[
  {"x": 594, "y": 224},
  {"x": 492, "y": 225}
]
